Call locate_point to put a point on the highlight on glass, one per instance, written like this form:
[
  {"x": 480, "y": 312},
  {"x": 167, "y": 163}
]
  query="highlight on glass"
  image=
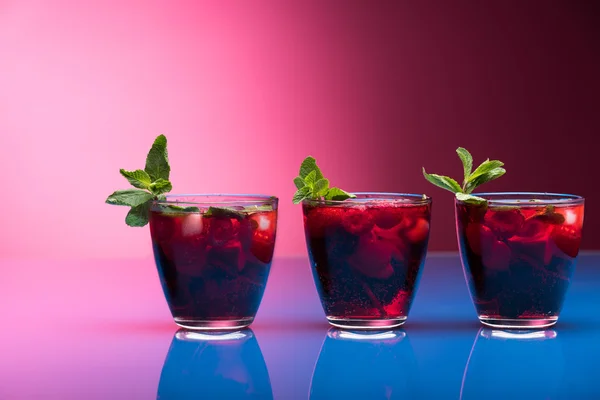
[
  {"x": 366, "y": 250},
  {"x": 213, "y": 251},
  {"x": 518, "y": 250}
]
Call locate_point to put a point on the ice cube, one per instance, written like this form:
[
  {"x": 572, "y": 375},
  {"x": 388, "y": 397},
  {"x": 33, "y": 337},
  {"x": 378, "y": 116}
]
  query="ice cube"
[
  {"x": 386, "y": 217},
  {"x": 264, "y": 221},
  {"x": 357, "y": 221},
  {"x": 373, "y": 257},
  {"x": 479, "y": 238},
  {"x": 222, "y": 230},
  {"x": 504, "y": 223},
  {"x": 395, "y": 236},
  {"x": 535, "y": 228},
  {"x": 568, "y": 239},
  {"x": 419, "y": 231},
  {"x": 191, "y": 225},
  {"x": 318, "y": 221},
  {"x": 262, "y": 246}
]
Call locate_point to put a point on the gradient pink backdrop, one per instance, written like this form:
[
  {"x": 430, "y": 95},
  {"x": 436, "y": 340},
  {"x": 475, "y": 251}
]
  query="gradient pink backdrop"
[{"x": 245, "y": 89}]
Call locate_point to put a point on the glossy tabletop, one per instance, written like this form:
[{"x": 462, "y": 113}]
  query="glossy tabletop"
[{"x": 102, "y": 330}]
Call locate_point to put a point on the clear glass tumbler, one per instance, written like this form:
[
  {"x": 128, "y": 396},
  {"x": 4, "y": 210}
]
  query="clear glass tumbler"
[
  {"x": 519, "y": 253},
  {"x": 213, "y": 254},
  {"x": 367, "y": 255}
]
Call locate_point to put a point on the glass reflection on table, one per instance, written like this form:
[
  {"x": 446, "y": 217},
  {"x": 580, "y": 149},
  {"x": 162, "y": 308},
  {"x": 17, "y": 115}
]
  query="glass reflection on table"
[
  {"x": 512, "y": 364},
  {"x": 214, "y": 365},
  {"x": 366, "y": 365}
]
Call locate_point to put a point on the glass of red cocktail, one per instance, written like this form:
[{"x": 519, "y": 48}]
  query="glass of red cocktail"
[
  {"x": 519, "y": 252},
  {"x": 367, "y": 254},
  {"x": 213, "y": 254}
]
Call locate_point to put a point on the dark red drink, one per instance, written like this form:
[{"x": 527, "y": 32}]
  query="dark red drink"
[
  {"x": 519, "y": 253},
  {"x": 214, "y": 263},
  {"x": 367, "y": 255}
]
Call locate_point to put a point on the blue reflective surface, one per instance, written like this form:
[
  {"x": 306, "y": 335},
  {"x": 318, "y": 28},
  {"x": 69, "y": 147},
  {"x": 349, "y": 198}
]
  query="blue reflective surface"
[
  {"x": 212, "y": 365},
  {"x": 373, "y": 365},
  {"x": 118, "y": 341}
]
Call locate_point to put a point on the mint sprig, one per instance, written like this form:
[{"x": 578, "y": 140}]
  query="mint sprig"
[
  {"x": 487, "y": 171},
  {"x": 151, "y": 183},
  {"x": 311, "y": 184}
]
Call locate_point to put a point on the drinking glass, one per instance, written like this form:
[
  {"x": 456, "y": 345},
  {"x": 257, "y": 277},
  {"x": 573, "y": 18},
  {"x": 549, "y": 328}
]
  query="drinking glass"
[
  {"x": 213, "y": 254},
  {"x": 367, "y": 255},
  {"x": 519, "y": 252}
]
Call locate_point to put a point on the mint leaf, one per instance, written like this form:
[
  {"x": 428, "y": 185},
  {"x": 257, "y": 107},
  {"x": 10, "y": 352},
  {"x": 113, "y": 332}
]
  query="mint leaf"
[
  {"x": 264, "y": 207},
  {"x": 467, "y": 161},
  {"x": 157, "y": 161},
  {"x": 301, "y": 194},
  {"x": 223, "y": 212},
  {"x": 138, "y": 216},
  {"x": 160, "y": 186},
  {"x": 484, "y": 168},
  {"x": 443, "y": 181},
  {"x": 321, "y": 187},
  {"x": 308, "y": 165},
  {"x": 310, "y": 179},
  {"x": 484, "y": 178},
  {"x": 130, "y": 197},
  {"x": 299, "y": 182},
  {"x": 550, "y": 216},
  {"x": 311, "y": 184},
  {"x": 174, "y": 208},
  {"x": 485, "y": 172},
  {"x": 338, "y": 194},
  {"x": 138, "y": 178},
  {"x": 468, "y": 198}
]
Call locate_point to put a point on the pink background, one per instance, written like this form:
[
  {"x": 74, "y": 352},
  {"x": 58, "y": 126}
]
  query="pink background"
[{"x": 245, "y": 89}]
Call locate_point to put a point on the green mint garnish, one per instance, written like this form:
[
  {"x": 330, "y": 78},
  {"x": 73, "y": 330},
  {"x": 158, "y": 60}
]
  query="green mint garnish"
[
  {"x": 151, "y": 183},
  {"x": 224, "y": 212},
  {"x": 551, "y": 216},
  {"x": 175, "y": 209},
  {"x": 486, "y": 172},
  {"x": 311, "y": 184},
  {"x": 469, "y": 198}
]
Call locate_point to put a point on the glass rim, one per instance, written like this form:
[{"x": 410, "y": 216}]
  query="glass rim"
[
  {"x": 523, "y": 199},
  {"x": 412, "y": 199},
  {"x": 215, "y": 199}
]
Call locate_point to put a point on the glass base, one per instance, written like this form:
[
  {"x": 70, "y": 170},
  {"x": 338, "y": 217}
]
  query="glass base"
[
  {"x": 357, "y": 323},
  {"x": 213, "y": 325},
  {"x": 520, "y": 323}
]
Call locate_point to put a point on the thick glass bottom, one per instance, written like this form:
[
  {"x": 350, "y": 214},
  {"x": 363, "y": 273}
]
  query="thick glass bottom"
[
  {"x": 520, "y": 323},
  {"x": 358, "y": 323},
  {"x": 213, "y": 325}
]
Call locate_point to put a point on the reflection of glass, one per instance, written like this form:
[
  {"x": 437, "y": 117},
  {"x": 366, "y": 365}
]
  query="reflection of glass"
[
  {"x": 506, "y": 364},
  {"x": 214, "y": 365},
  {"x": 365, "y": 365},
  {"x": 367, "y": 255}
]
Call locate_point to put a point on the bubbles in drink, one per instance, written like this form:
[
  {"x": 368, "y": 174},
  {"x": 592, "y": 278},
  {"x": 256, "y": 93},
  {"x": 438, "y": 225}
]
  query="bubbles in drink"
[
  {"x": 213, "y": 266},
  {"x": 519, "y": 259},
  {"x": 367, "y": 257}
]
